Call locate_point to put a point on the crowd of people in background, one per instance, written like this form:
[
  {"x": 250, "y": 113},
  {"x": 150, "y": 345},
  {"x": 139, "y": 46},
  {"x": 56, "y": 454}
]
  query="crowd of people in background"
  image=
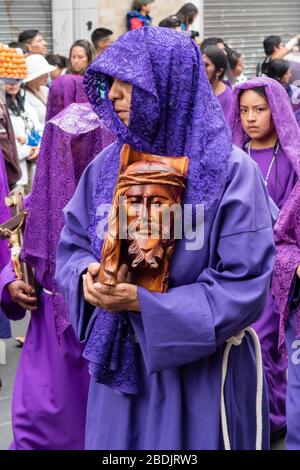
[{"x": 263, "y": 113}]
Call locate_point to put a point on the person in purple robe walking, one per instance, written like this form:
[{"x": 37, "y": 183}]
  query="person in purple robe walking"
[
  {"x": 5, "y": 330},
  {"x": 51, "y": 385},
  {"x": 286, "y": 290},
  {"x": 156, "y": 359},
  {"x": 216, "y": 63},
  {"x": 264, "y": 125}
]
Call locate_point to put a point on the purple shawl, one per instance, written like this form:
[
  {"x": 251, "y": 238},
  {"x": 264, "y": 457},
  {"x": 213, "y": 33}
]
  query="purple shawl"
[
  {"x": 284, "y": 119},
  {"x": 173, "y": 112},
  {"x": 287, "y": 239},
  {"x": 70, "y": 142},
  {"x": 65, "y": 90}
]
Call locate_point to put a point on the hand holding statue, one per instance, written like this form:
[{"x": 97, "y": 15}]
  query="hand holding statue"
[
  {"x": 119, "y": 298},
  {"x": 23, "y": 294}
]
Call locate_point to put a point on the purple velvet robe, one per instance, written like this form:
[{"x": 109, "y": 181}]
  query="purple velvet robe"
[
  {"x": 286, "y": 290},
  {"x": 51, "y": 385},
  {"x": 288, "y": 167},
  {"x": 225, "y": 100},
  {"x": 214, "y": 293},
  {"x": 5, "y": 331}
]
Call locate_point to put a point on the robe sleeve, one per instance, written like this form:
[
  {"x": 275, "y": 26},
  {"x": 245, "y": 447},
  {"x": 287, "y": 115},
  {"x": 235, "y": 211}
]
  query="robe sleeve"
[
  {"x": 12, "y": 310},
  {"x": 190, "y": 322}
]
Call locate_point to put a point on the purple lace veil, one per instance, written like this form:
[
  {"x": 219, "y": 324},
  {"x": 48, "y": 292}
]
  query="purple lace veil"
[
  {"x": 65, "y": 90},
  {"x": 287, "y": 239},
  {"x": 173, "y": 112},
  {"x": 284, "y": 119},
  {"x": 70, "y": 142}
]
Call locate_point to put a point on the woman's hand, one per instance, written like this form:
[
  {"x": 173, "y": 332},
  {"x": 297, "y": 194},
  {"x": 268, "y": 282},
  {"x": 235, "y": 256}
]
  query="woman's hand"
[
  {"x": 34, "y": 154},
  {"x": 122, "y": 297},
  {"x": 23, "y": 294}
]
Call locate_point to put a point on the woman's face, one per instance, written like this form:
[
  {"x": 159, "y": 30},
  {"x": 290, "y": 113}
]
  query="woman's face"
[
  {"x": 39, "y": 81},
  {"x": 120, "y": 94},
  {"x": 285, "y": 80},
  {"x": 256, "y": 116},
  {"x": 210, "y": 69},
  {"x": 12, "y": 89},
  {"x": 238, "y": 70},
  {"x": 79, "y": 59}
]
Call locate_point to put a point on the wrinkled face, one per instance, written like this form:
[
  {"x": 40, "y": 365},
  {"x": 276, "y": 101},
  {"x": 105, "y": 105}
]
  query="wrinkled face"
[
  {"x": 38, "y": 45},
  {"x": 285, "y": 80},
  {"x": 256, "y": 116},
  {"x": 12, "y": 89},
  {"x": 120, "y": 94},
  {"x": 79, "y": 59},
  {"x": 145, "y": 206}
]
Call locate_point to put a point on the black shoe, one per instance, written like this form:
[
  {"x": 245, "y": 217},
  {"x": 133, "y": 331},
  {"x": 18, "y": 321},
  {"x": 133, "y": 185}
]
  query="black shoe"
[{"x": 277, "y": 435}]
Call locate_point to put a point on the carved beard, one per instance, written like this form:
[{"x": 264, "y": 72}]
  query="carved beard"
[{"x": 142, "y": 259}]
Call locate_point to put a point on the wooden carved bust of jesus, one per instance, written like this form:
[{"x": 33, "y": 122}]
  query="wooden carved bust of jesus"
[{"x": 140, "y": 239}]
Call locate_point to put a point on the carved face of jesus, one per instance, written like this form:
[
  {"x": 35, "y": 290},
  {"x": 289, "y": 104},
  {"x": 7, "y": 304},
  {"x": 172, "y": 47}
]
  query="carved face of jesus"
[{"x": 145, "y": 206}]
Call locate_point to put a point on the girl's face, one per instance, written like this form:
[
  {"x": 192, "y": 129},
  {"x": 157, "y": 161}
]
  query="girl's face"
[
  {"x": 79, "y": 59},
  {"x": 12, "y": 90},
  {"x": 147, "y": 9},
  {"x": 285, "y": 80},
  {"x": 256, "y": 116}
]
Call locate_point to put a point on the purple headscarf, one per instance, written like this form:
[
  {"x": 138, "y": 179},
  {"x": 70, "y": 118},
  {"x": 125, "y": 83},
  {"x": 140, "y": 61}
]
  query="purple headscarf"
[
  {"x": 286, "y": 126},
  {"x": 65, "y": 90},
  {"x": 287, "y": 239},
  {"x": 173, "y": 112},
  {"x": 70, "y": 142}
]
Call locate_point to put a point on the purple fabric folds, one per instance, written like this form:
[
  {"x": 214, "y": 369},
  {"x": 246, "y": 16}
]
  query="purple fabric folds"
[
  {"x": 287, "y": 239},
  {"x": 173, "y": 112},
  {"x": 65, "y": 90},
  {"x": 284, "y": 119},
  {"x": 70, "y": 142}
]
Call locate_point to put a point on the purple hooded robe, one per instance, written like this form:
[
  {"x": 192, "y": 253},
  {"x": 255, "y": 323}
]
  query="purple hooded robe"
[
  {"x": 280, "y": 184},
  {"x": 51, "y": 385},
  {"x": 156, "y": 375},
  {"x": 286, "y": 290},
  {"x": 65, "y": 90}
]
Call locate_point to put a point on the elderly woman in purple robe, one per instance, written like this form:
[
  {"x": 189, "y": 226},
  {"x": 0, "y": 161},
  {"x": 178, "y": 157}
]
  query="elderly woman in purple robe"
[
  {"x": 156, "y": 358},
  {"x": 264, "y": 125},
  {"x": 51, "y": 385},
  {"x": 286, "y": 290}
]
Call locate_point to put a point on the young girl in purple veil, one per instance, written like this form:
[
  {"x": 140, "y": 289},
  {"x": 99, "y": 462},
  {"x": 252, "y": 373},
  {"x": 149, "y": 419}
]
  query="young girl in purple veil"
[{"x": 263, "y": 124}]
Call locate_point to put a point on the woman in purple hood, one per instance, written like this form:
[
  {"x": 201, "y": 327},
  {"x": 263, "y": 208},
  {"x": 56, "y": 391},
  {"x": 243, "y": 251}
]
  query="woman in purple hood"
[
  {"x": 156, "y": 359},
  {"x": 264, "y": 125}
]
